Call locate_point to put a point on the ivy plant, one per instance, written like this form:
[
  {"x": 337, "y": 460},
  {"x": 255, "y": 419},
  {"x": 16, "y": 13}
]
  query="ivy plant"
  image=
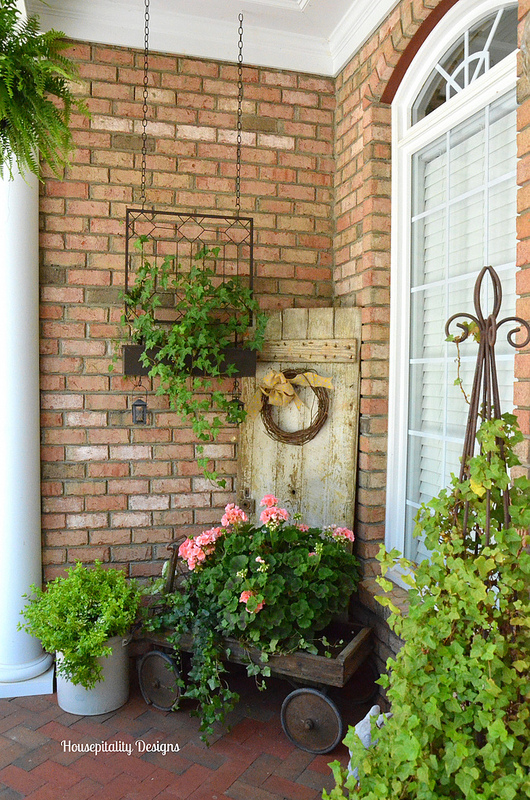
[
  {"x": 272, "y": 587},
  {"x": 77, "y": 613},
  {"x": 460, "y": 685},
  {"x": 35, "y": 96},
  {"x": 189, "y": 354}
]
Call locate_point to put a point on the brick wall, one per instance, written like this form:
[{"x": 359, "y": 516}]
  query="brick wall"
[
  {"x": 111, "y": 490},
  {"x": 362, "y": 268},
  {"x": 362, "y": 254}
]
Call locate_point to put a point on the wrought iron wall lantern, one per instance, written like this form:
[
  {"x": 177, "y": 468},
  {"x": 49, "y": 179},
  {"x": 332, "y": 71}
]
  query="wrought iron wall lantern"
[{"x": 139, "y": 406}]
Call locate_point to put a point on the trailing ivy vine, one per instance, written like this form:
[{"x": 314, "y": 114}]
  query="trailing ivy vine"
[
  {"x": 460, "y": 686},
  {"x": 189, "y": 354},
  {"x": 272, "y": 587}
]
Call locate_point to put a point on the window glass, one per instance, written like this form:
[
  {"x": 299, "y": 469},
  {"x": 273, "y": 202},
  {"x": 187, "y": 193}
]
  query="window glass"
[
  {"x": 478, "y": 50},
  {"x": 464, "y": 194}
]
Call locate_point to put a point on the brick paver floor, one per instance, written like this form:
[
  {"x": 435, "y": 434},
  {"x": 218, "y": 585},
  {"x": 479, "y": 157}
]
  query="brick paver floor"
[{"x": 254, "y": 760}]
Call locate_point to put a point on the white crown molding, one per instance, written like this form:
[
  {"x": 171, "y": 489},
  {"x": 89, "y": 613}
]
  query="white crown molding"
[
  {"x": 362, "y": 19},
  {"x": 118, "y": 22},
  {"x": 262, "y": 46},
  {"x": 290, "y": 5}
]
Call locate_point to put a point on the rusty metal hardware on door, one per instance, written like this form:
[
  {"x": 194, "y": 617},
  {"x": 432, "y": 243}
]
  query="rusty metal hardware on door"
[{"x": 247, "y": 503}]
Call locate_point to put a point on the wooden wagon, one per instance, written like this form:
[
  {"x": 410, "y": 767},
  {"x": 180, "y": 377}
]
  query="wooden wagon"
[{"x": 310, "y": 719}]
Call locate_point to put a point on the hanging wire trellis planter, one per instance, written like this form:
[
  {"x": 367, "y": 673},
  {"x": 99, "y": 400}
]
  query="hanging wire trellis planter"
[
  {"x": 485, "y": 400},
  {"x": 182, "y": 236}
]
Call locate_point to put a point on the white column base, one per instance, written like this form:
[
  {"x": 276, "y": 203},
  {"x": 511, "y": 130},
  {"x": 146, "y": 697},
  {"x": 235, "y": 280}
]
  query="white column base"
[
  {"x": 14, "y": 673},
  {"x": 42, "y": 684}
]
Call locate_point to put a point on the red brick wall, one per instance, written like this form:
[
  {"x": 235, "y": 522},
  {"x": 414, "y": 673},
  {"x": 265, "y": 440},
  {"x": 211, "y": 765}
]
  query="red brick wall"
[
  {"x": 362, "y": 245},
  {"x": 362, "y": 254},
  {"x": 111, "y": 490}
]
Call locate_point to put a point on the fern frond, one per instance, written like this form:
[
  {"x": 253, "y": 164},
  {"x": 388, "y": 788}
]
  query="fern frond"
[{"x": 35, "y": 97}]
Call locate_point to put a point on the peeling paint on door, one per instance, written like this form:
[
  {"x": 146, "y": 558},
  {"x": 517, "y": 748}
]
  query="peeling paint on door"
[{"x": 318, "y": 478}]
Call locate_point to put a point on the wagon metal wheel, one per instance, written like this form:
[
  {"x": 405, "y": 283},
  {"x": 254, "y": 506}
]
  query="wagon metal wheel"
[
  {"x": 158, "y": 676},
  {"x": 311, "y": 721}
]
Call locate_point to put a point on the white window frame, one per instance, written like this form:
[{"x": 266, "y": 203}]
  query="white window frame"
[{"x": 407, "y": 140}]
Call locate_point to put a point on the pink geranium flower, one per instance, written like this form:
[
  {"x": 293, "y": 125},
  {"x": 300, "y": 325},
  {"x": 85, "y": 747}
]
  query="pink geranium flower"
[
  {"x": 194, "y": 551},
  {"x": 191, "y": 553},
  {"x": 269, "y": 500},
  {"x": 302, "y": 527},
  {"x": 209, "y": 537},
  {"x": 245, "y": 597},
  {"x": 233, "y": 515},
  {"x": 273, "y": 514},
  {"x": 343, "y": 533}
]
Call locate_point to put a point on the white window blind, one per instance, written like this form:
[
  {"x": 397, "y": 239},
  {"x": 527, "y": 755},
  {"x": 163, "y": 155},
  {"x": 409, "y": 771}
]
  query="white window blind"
[{"x": 463, "y": 218}]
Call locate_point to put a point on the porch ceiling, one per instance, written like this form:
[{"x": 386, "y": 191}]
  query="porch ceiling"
[{"x": 317, "y": 36}]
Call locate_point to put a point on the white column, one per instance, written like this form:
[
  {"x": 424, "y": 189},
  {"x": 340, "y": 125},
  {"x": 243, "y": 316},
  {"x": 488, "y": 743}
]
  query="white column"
[{"x": 24, "y": 668}]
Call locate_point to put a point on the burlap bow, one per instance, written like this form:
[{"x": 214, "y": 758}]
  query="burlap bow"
[{"x": 280, "y": 390}]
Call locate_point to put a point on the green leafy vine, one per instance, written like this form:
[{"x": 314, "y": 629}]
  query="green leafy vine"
[
  {"x": 189, "y": 354},
  {"x": 271, "y": 587},
  {"x": 468, "y": 328},
  {"x": 460, "y": 685}
]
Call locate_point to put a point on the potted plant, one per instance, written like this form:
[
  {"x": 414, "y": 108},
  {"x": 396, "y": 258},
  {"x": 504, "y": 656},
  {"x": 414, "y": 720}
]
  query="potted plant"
[
  {"x": 460, "y": 685},
  {"x": 33, "y": 76},
  {"x": 84, "y": 617},
  {"x": 272, "y": 586},
  {"x": 190, "y": 352}
]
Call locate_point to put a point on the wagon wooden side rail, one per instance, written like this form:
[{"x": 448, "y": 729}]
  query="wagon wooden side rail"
[{"x": 310, "y": 719}]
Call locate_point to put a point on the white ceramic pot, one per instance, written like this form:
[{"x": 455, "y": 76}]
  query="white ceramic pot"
[{"x": 108, "y": 694}]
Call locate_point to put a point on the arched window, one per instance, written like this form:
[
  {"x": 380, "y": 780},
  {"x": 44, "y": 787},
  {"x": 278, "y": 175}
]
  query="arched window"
[
  {"x": 454, "y": 211},
  {"x": 477, "y": 50}
]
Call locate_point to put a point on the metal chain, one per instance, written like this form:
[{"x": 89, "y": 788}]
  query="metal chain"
[
  {"x": 239, "y": 115},
  {"x": 144, "y": 108}
]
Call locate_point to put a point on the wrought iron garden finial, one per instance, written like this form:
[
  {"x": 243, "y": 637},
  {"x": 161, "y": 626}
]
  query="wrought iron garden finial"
[{"x": 485, "y": 401}]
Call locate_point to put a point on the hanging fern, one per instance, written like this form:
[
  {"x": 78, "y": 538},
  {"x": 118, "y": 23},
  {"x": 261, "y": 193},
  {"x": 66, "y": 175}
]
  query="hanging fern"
[{"x": 35, "y": 98}]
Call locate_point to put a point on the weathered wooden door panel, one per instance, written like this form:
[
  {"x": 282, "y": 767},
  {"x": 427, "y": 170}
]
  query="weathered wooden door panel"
[{"x": 317, "y": 478}]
